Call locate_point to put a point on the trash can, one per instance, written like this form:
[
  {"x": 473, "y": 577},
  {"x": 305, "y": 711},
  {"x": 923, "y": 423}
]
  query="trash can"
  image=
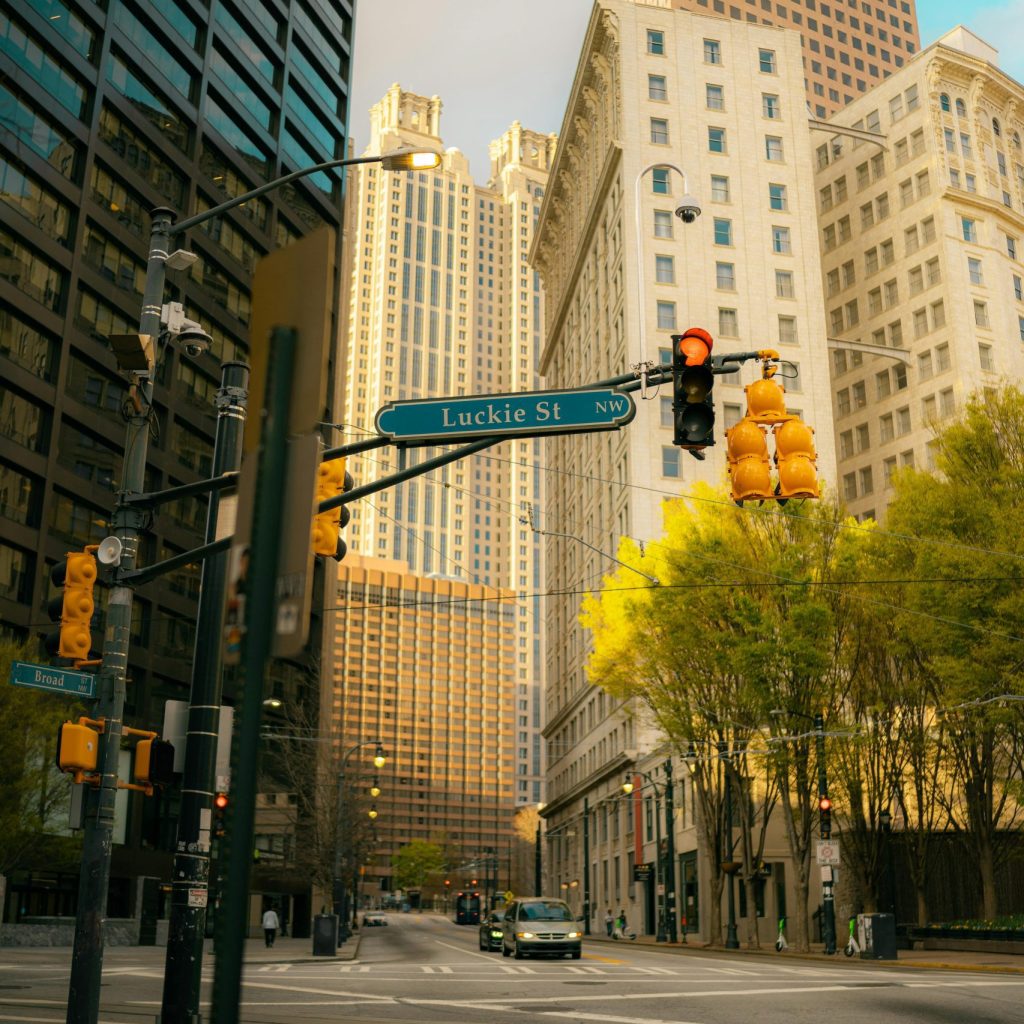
[
  {"x": 877, "y": 936},
  {"x": 325, "y": 932}
]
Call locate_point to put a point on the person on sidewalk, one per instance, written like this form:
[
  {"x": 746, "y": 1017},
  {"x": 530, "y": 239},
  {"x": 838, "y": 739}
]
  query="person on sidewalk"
[
  {"x": 609, "y": 922},
  {"x": 270, "y": 926}
]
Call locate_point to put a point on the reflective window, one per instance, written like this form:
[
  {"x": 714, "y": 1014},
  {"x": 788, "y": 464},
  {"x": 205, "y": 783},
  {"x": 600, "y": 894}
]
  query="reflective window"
[
  {"x": 216, "y": 168},
  {"x": 74, "y": 521},
  {"x": 301, "y": 156},
  {"x": 316, "y": 80},
  {"x": 22, "y": 421},
  {"x": 318, "y": 37},
  {"x": 24, "y": 344},
  {"x": 181, "y": 21},
  {"x": 15, "y": 573},
  {"x": 57, "y": 83},
  {"x": 86, "y": 455},
  {"x": 141, "y": 157},
  {"x": 126, "y": 207},
  {"x": 148, "y": 103},
  {"x": 93, "y": 387},
  {"x": 30, "y": 273},
  {"x": 243, "y": 43},
  {"x": 96, "y": 317},
  {"x": 249, "y": 150},
  {"x": 156, "y": 51},
  {"x": 192, "y": 449},
  {"x": 221, "y": 289},
  {"x": 33, "y": 201},
  {"x": 67, "y": 25},
  {"x": 35, "y": 132},
  {"x": 241, "y": 90},
  {"x": 314, "y": 129},
  {"x": 114, "y": 263},
  {"x": 18, "y": 496},
  {"x": 230, "y": 239}
]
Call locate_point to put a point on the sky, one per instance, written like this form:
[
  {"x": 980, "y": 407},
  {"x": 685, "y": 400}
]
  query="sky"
[{"x": 493, "y": 62}]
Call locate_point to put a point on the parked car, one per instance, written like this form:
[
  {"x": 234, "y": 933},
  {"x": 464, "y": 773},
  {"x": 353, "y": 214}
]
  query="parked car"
[
  {"x": 540, "y": 927},
  {"x": 374, "y": 919},
  {"x": 491, "y": 930}
]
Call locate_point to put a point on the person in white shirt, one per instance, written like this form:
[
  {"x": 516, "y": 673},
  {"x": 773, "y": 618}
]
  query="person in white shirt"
[{"x": 271, "y": 923}]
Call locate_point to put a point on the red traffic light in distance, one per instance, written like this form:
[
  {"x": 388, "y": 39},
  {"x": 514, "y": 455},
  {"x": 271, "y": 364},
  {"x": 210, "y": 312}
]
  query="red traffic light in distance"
[{"x": 824, "y": 803}]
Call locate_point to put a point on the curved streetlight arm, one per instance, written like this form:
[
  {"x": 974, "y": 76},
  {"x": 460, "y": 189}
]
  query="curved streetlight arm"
[{"x": 640, "y": 259}]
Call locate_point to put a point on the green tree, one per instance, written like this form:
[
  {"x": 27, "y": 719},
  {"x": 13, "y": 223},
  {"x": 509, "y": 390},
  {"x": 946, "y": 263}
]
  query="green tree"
[
  {"x": 966, "y": 634},
  {"x": 415, "y": 862},
  {"x": 33, "y": 795}
]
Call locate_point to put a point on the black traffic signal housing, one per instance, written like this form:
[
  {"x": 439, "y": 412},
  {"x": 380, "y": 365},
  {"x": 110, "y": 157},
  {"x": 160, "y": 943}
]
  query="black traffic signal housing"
[
  {"x": 331, "y": 481},
  {"x": 76, "y": 575},
  {"x": 693, "y": 411},
  {"x": 825, "y": 816},
  {"x": 154, "y": 762},
  {"x": 220, "y": 815}
]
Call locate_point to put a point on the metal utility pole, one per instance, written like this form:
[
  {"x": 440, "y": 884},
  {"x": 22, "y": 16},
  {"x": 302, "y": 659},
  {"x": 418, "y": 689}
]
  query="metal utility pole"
[
  {"x": 659, "y": 860},
  {"x": 127, "y": 523},
  {"x": 731, "y": 939},
  {"x": 586, "y": 866},
  {"x": 537, "y": 864},
  {"x": 670, "y": 856},
  {"x": 190, "y": 877},
  {"x": 828, "y": 905}
]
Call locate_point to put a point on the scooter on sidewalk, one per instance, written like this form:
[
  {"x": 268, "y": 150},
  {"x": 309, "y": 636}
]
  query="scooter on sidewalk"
[
  {"x": 781, "y": 945},
  {"x": 852, "y": 946}
]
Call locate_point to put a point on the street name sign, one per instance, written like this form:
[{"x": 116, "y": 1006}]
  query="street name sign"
[
  {"x": 519, "y": 414},
  {"x": 57, "y": 680},
  {"x": 828, "y": 853}
]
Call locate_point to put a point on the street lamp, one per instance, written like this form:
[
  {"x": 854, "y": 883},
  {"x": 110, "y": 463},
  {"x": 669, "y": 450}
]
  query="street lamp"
[
  {"x": 688, "y": 210},
  {"x": 666, "y": 872}
]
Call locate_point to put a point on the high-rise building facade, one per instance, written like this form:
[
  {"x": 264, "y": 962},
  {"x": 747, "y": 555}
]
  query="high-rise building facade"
[
  {"x": 428, "y": 667},
  {"x": 849, "y": 45},
  {"x": 724, "y": 101},
  {"x": 923, "y": 245},
  {"x": 106, "y": 112},
  {"x": 442, "y": 302}
]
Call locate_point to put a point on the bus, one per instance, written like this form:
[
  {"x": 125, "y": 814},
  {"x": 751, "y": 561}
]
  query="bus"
[{"x": 467, "y": 908}]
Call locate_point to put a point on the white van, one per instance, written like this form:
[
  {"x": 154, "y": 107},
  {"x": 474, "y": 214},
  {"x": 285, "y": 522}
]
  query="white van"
[{"x": 542, "y": 927}]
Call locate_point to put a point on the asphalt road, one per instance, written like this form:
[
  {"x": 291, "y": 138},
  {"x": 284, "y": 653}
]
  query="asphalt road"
[{"x": 427, "y": 969}]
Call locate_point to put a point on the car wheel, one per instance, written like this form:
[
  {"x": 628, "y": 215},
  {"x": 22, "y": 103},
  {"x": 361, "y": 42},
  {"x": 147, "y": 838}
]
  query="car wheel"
[
  {"x": 505, "y": 950},
  {"x": 520, "y": 955}
]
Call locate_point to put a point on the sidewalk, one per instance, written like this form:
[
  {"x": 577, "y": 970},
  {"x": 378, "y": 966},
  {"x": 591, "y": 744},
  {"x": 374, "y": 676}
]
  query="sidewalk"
[
  {"x": 918, "y": 959},
  {"x": 296, "y": 951}
]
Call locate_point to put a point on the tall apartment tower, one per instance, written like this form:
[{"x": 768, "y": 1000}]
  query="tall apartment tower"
[
  {"x": 725, "y": 102},
  {"x": 849, "y": 45},
  {"x": 442, "y": 302},
  {"x": 107, "y": 111},
  {"x": 923, "y": 247},
  {"x": 428, "y": 666}
]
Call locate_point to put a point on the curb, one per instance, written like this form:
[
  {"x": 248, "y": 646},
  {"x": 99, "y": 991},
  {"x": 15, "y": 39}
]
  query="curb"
[{"x": 347, "y": 952}]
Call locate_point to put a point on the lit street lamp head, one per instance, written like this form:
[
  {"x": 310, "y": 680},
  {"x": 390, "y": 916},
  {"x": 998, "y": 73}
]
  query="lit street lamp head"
[
  {"x": 379, "y": 757},
  {"x": 410, "y": 159},
  {"x": 627, "y": 786},
  {"x": 372, "y": 813}
]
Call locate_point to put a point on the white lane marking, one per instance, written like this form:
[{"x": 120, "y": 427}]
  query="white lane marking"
[
  {"x": 652, "y": 970},
  {"x": 733, "y": 970},
  {"x": 350, "y": 969},
  {"x": 278, "y": 968},
  {"x": 315, "y": 991},
  {"x": 584, "y": 970},
  {"x": 516, "y": 969},
  {"x": 459, "y": 949},
  {"x": 428, "y": 969}
]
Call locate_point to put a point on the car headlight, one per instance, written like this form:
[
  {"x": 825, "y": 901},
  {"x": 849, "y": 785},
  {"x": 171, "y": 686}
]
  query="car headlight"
[
  {"x": 573, "y": 935},
  {"x": 495, "y": 935},
  {"x": 525, "y": 935}
]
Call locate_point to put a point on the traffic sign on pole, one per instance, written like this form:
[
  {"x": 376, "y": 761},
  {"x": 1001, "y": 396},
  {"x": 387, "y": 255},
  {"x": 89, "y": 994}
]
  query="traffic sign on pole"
[
  {"x": 519, "y": 414},
  {"x": 56, "y": 680},
  {"x": 828, "y": 853}
]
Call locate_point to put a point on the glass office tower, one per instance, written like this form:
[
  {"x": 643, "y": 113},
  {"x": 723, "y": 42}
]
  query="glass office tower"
[{"x": 107, "y": 110}]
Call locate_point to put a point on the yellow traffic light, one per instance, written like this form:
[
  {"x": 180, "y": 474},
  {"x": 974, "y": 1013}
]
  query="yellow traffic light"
[
  {"x": 331, "y": 481},
  {"x": 749, "y": 464},
  {"x": 74, "y": 608},
  {"x": 766, "y": 401},
  {"x": 795, "y": 455}
]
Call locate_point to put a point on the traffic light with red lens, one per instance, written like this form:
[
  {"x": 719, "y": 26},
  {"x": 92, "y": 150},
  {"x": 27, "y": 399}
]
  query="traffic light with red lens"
[
  {"x": 825, "y": 816},
  {"x": 220, "y": 814},
  {"x": 693, "y": 411}
]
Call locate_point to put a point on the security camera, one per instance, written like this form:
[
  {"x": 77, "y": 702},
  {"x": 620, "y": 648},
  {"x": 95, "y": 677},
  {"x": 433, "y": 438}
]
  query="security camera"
[
  {"x": 688, "y": 209},
  {"x": 193, "y": 339}
]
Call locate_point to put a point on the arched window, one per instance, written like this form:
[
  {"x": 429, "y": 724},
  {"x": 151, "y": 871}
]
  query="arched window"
[
  {"x": 995, "y": 127},
  {"x": 944, "y": 102},
  {"x": 961, "y": 108}
]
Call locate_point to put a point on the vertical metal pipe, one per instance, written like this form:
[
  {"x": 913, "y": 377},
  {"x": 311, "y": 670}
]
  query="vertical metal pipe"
[
  {"x": 670, "y": 856},
  {"x": 586, "y": 866}
]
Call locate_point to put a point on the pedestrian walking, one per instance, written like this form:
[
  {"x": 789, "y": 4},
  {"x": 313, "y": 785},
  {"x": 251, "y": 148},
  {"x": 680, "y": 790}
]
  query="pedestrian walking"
[
  {"x": 270, "y": 925},
  {"x": 609, "y": 922}
]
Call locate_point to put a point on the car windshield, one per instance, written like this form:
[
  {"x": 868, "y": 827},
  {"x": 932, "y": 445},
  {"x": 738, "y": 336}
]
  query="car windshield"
[{"x": 546, "y": 912}]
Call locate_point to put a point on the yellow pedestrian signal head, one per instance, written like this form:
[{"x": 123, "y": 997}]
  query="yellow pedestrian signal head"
[
  {"x": 154, "y": 762},
  {"x": 78, "y": 748},
  {"x": 332, "y": 480},
  {"x": 74, "y": 608},
  {"x": 795, "y": 455},
  {"x": 749, "y": 464},
  {"x": 765, "y": 401}
]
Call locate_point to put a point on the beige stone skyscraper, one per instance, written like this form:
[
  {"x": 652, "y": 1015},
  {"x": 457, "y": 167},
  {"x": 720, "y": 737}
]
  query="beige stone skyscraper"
[
  {"x": 723, "y": 100},
  {"x": 849, "y": 45},
  {"x": 923, "y": 246},
  {"x": 442, "y": 302}
]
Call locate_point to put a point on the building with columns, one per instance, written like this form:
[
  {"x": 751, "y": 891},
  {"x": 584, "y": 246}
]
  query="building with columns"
[
  {"x": 442, "y": 302},
  {"x": 922, "y": 244},
  {"x": 724, "y": 102}
]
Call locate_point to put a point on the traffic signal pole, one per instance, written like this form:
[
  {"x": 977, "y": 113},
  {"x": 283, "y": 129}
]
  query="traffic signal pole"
[
  {"x": 828, "y": 904},
  {"x": 670, "y": 856},
  {"x": 190, "y": 876},
  {"x": 127, "y": 523},
  {"x": 586, "y": 866}
]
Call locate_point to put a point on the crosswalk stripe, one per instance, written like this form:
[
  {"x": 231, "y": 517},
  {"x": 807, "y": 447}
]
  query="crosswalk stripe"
[
  {"x": 653, "y": 970},
  {"x": 276, "y": 968},
  {"x": 354, "y": 968}
]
